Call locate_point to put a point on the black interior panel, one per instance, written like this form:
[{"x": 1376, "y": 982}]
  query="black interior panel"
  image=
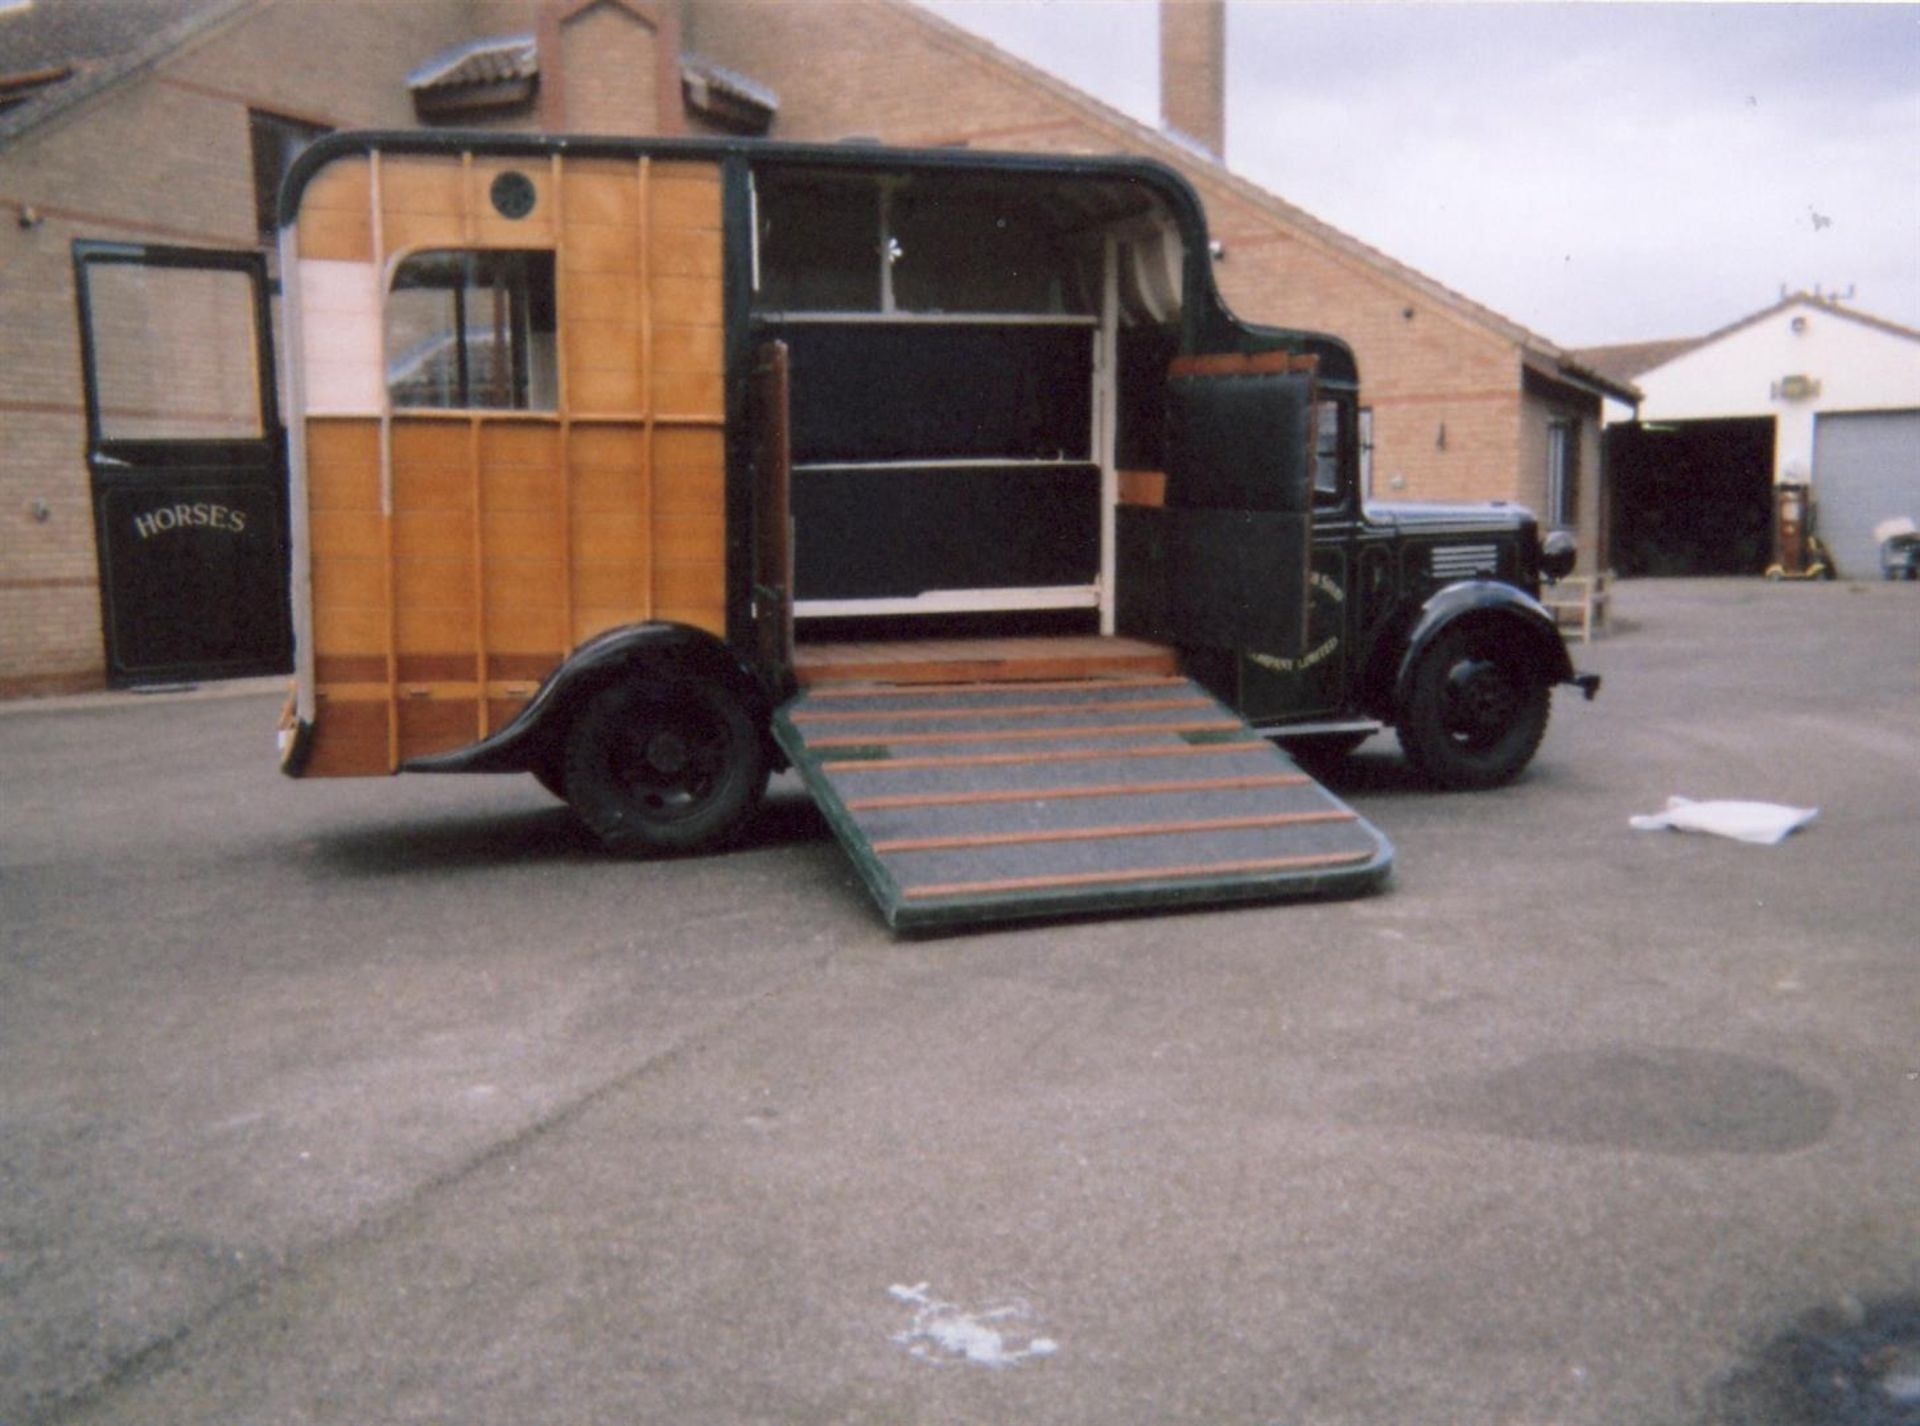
[
  {"x": 894, "y": 533},
  {"x": 886, "y": 391}
]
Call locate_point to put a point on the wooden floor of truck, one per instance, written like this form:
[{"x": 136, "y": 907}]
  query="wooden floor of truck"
[
  {"x": 965, "y": 801},
  {"x": 980, "y": 660}
]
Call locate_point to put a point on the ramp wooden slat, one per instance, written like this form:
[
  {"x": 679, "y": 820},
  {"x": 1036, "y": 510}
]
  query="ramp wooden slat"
[{"x": 1036, "y": 810}]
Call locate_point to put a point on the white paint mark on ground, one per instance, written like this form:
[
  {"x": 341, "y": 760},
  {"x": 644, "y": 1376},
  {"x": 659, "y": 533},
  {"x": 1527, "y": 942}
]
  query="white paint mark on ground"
[{"x": 1000, "y": 1335}]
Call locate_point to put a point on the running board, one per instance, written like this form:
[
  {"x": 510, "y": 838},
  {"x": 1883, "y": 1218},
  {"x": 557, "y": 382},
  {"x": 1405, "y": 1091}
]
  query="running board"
[{"x": 968, "y": 803}]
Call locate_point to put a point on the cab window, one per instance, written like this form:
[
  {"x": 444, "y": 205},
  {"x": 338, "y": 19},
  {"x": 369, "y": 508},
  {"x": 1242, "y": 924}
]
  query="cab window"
[{"x": 1326, "y": 455}]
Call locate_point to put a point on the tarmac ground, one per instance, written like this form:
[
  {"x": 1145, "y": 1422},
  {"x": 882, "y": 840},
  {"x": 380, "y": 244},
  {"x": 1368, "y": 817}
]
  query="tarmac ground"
[{"x": 395, "y": 1101}]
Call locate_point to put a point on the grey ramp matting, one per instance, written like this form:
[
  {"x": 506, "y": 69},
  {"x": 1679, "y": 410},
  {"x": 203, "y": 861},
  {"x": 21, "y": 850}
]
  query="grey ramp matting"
[{"x": 989, "y": 802}]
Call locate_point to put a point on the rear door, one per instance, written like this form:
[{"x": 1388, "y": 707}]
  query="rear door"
[
  {"x": 185, "y": 452},
  {"x": 772, "y": 511}
]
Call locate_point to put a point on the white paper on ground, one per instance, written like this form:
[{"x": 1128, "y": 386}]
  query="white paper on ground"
[{"x": 1762, "y": 823}]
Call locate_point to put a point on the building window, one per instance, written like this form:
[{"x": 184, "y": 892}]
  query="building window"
[
  {"x": 1563, "y": 474},
  {"x": 472, "y": 331},
  {"x": 277, "y": 142}
]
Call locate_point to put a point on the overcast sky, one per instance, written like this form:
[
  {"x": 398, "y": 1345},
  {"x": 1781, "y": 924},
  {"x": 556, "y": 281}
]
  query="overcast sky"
[{"x": 1598, "y": 172}]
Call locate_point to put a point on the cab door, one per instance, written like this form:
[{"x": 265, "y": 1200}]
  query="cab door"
[
  {"x": 1226, "y": 560},
  {"x": 184, "y": 450}
]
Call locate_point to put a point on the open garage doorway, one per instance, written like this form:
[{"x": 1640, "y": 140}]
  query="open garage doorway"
[{"x": 1692, "y": 497}]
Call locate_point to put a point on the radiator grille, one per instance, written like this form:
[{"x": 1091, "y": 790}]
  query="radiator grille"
[{"x": 1464, "y": 561}]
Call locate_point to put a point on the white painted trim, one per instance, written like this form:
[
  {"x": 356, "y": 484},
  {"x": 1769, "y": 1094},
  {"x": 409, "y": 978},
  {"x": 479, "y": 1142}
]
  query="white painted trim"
[
  {"x": 1106, "y": 404},
  {"x": 955, "y": 601},
  {"x": 293, "y": 412},
  {"x": 928, "y": 319},
  {"x": 956, "y": 463}
]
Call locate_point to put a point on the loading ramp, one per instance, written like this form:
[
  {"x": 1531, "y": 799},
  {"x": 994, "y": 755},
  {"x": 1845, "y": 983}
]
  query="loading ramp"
[{"x": 985, "y": 801}]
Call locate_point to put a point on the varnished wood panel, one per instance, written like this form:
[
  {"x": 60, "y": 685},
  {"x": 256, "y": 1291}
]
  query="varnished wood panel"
[
  {"x": 620, "y": 586},
  {"x": 345, "y": 582},
  {"x": 685, "y": 252},
  {"x": 355, "y": 534},
  {"x": 431, "y": 725},
  {"x": 343, "y": 465},
  {"x": 685, "y": 196},
  {"x": 349, "y": 739},
  {"x": 430, "y": 629},
  {"x": 442, "y": 583},
  {"x": 525, "y": 583},
  {"x": 336, "y": 236},
  {"x": 336, "y": 218},
  {"x": 603, "y": 192},
  {"x": 432, "y": 534},
  {"x": 347, "y": 629},
  {"x": 613, "y": 536}
]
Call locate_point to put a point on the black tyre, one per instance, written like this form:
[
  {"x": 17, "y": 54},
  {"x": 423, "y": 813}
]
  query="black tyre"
[
  {"x": 552, "y": 776},
  {"x": 1476, "y": 713},
  {"x": 664, "y": 765}
]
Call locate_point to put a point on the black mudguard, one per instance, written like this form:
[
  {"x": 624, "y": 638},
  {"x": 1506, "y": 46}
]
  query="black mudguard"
[
  {"x": 1519, "y": 616},
  {"x": 533, "y": 738}
]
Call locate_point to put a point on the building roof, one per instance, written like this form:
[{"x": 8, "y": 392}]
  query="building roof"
[
  {"x": 724, "y": 93},
  {"x": 1633, "y": 359},
  {"x": 492, "y": 61},
  {"x": 1628, "y": 360},
  {"x": 60, "y": 52},
  {"x": 1537, "y": 351}
]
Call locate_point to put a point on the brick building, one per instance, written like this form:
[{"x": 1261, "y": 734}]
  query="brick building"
[{"x": 167, "y": 123}]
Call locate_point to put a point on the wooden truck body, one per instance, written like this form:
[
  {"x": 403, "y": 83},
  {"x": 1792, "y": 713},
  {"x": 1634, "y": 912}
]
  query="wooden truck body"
[{"x": 611, "y": 460}]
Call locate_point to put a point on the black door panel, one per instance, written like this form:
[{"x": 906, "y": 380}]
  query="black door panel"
[{"x": 186, "y": 458}]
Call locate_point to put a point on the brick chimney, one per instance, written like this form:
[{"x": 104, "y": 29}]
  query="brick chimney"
[
  {"x": 1193, "y": 71},
  {"x": 610, "y": 66}
]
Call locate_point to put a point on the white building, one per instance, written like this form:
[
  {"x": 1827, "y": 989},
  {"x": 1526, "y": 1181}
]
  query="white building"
[{"x": 1805, "y": 392}]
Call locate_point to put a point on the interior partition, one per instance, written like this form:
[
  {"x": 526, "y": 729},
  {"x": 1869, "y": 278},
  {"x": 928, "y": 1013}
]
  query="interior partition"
[{"x": 955, "y": 391}]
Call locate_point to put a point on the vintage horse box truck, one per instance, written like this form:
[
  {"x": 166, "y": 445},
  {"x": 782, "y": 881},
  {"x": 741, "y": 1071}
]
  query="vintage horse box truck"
[{"x": 945, "y": 478}]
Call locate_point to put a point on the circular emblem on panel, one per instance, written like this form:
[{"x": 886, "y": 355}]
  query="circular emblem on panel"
[{"x": 513, "y": 194}]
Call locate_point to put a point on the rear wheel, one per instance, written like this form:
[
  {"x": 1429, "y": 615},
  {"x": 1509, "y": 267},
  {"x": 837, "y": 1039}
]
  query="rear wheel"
[
  {"x": 670, "y": 764},
  {"x": 1475, "y": 714}
]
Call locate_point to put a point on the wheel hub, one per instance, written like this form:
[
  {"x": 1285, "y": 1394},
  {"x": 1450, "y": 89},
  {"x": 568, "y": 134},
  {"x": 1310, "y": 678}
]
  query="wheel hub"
[
  {"x": 667, "y": 752},
  {"x": 1481, "y": 701}
]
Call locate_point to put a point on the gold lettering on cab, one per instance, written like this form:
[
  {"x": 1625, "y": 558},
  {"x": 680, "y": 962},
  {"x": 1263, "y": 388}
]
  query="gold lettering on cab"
[
  {"x": 1327, "y": 588},
  {"x": 1309, "y": 659},
  {"x": 199, "y": 515}
]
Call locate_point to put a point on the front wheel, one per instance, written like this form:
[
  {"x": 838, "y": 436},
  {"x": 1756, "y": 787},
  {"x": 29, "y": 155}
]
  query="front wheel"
[
  {"x": 1475, "y": 714},
  {"x": 664, "y": 765}
]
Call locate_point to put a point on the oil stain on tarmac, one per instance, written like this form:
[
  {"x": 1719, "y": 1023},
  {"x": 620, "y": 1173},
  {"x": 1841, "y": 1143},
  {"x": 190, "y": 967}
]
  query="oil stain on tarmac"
[{"x": 1654, "y": 1100}]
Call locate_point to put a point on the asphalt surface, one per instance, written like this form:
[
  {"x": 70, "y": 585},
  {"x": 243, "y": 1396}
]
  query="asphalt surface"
[{"x": 367, "y": 1102}]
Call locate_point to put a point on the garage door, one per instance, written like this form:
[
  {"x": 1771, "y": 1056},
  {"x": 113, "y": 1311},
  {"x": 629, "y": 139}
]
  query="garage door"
[{"x": 1866, "y": 468}]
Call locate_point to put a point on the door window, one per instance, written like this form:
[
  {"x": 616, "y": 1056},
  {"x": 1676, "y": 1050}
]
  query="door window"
[{"x": 175, "y": 353}]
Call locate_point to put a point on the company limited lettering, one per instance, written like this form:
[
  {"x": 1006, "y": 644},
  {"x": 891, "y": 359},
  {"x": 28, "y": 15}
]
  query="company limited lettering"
[
  {"x": 1310, "y": 659},
  {"x": 200, "y": 515}
]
